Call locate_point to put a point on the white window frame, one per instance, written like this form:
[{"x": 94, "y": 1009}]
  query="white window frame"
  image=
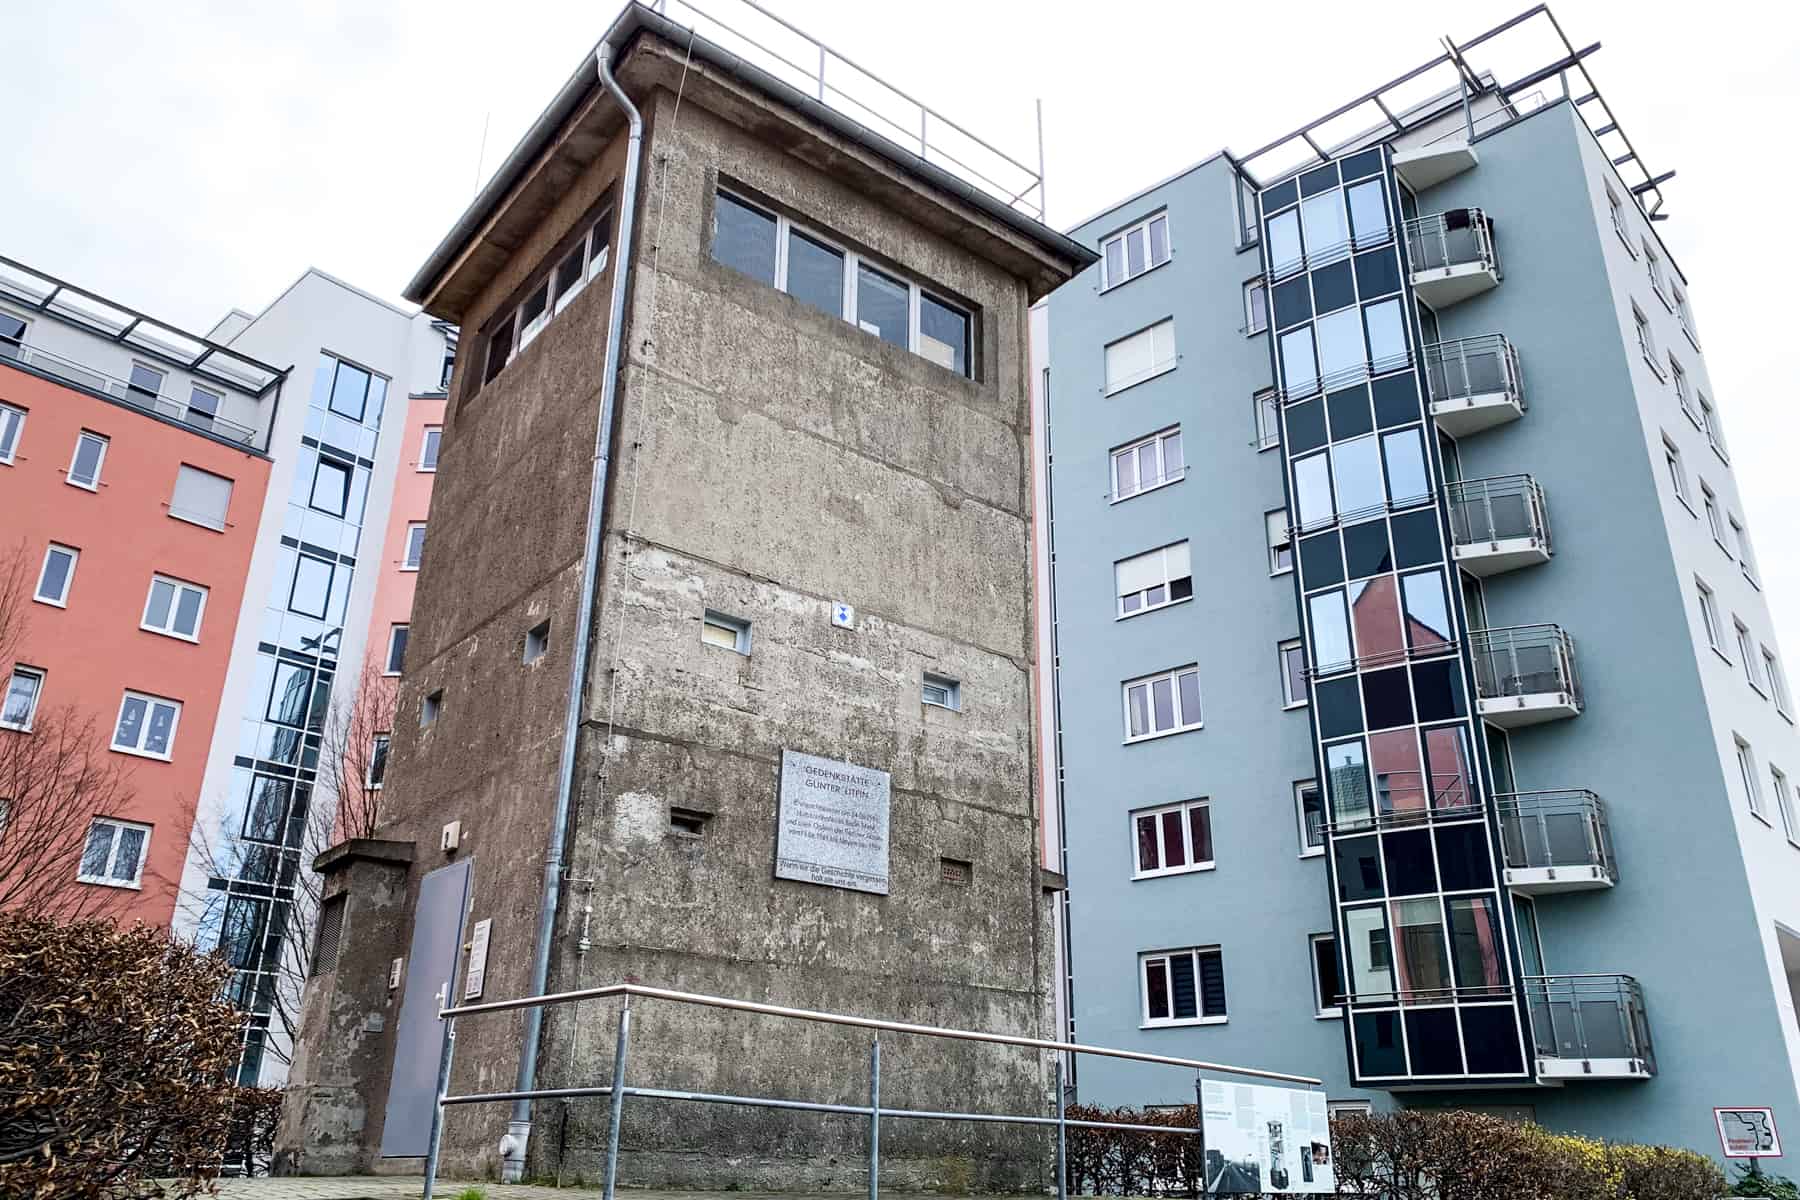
[
  {"x": 736, "y": 626},
  {"x": 1190, "y": 866},
  {"x": 1709, "y": 617},
  {"x": 1685, "y": 316},
  {"x": 1167, "y": 584},
  {"x": 1709, "y": 501},
  {"x": 1747, "y": 653},
  {"x": 1746, "y": 760},
  {"x": 1107, "y": 283},
  {"x": 1156, "y": 370},
  {"x": 593, "y": 265},
  {"x": 1653, "y": 265},
  {"x": 1286, "y": 539},
  {"x": 1777, "y": 682},
  {"x": 131, "y": 385},
  {"x": 1249, "y": 230},
  {"x": 409, "y": 561},
  {"x": 387, "y": 659},
  {"x": 105, "y": 878},
  {"x": 1746, "y": 559},
  {"x": 81, "y": 437},
  {"x": 1321, "y": 1011},
  {"x": 1164, "y": 476},
  {"x": 1784, "y": 804},
  {"x": 1618, "y": 219},
  {"x": 37, "y": 695},
  {"x": 190, "y": 412},
  {"x": 1201, "y": 1016},
  {"x": 431, "y": 442},
  {"x": 61, "y": 600},
  {"x": 1683, "y": 394},
  {"x": 13, "y": 414},
  {"x": 1174, "y": 677},
  {"x": 180, "y": 586},
  {"x": 1709, "y": 424},
  {"x": 1252, "y": 286},
  {"x": 1282, "y": 650},
  {"x": 150, "y": 705},
  {"x": 1300, "y": 788},
  {"x": 1646, "y": 339},
  {"x": 1266, "y": 404},
  {"x": 951, "y": 689},
  {"x": 1677, "y": 472},
  {"x": 194, "y": 516}
]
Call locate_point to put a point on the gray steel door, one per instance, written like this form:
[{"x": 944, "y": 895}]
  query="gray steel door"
[{"x": 430, "y": 970}]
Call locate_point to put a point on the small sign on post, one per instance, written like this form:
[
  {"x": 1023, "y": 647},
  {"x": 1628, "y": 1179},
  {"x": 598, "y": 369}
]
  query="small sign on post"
[{"x": 1748, "y": 1132}]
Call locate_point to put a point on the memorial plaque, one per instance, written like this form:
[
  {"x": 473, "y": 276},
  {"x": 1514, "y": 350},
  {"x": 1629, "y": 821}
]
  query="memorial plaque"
[{"x": 832, "y": 827}]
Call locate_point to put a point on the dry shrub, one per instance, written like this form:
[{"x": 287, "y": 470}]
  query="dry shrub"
[{"x": 116, "y": 1052}]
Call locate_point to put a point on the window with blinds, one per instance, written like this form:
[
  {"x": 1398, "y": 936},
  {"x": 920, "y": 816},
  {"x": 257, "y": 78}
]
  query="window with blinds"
[
  {"x": 1153, "y": 580},
  {"x": 1143, "y": 355},
  {"x": 201, "y": 497},
  {"x": 1184, "y": 986}
]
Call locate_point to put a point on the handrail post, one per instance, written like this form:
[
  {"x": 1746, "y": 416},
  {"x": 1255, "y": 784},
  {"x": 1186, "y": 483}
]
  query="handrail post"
[
  {"x": 435, "y": 1141},
  {"x": 1062, "y": 1129},
  {"x": 617, "y": 1098},
  {"x": 874, "y": 1117}
]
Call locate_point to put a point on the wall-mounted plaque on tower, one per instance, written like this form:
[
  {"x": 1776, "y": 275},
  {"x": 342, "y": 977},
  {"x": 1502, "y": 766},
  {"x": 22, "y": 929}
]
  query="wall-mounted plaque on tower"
[{"x": 833, "y": 824}]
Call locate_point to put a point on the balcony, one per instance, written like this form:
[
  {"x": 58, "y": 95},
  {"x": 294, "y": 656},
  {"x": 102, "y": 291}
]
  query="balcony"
[
  {"x": 1452, "y": 256},
  {"x": 1555, "y": 841},
  {"x": 1475, "y": 383},
  {"x": 1589, "y": 1027},
  {"x": 1431, "y": 164},
  {"x": 69, "y": 371},
  {"x": 1525, "y": 675},
  {"x": 1497, "y": 524}
]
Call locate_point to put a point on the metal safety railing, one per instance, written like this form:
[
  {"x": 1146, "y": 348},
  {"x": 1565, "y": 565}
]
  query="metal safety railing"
[
  {"x": 69, "y": 371},
  {"x": 1498, "y": 509},
  {"x": 1590, "y": 1017},
  {"x": 1401, "y": 799},
  {"x": 616, "y": 1091},
  {"x": 1456, "y": 238},
  {"x": 1462, "y": 369},
  {"x": 834, "y": 79},
  {"x": 1555, "y": 828},
  {"x": 1524, "y": 660},
  {"x": 1508, "y": 110}
]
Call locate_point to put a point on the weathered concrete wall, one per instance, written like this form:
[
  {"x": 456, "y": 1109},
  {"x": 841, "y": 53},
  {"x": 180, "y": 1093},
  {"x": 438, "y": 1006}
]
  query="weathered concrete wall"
[{"x": 769, "y": 459}]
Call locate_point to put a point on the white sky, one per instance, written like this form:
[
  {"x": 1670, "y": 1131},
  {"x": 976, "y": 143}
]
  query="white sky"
[{"x": 185, "y": 157}]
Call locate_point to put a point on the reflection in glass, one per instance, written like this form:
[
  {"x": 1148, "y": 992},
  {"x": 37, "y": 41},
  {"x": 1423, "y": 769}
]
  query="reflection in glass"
[
  {"x": 312, "y": 586},
  {"x": 1448, "y": 765},
  {"x": 1330, "y": 631},
  {"x": 1356, "y": 471},
  {"x": 1284, "y": 241},
  {"x": 1405, "y": 455},
  {"x": 944, "y": 334},
  {"x": 1387, "y": 335},
  {"x": 1340, "y": 346},
  {"x": 815, "y": 274},
  {"x": 1475, "y": 942},
  {"x": 1326, "y": 229},
  {"x": 744, "y": 239},
  {"x": 1347, "y": 775},
  {"x": 1312, "y": 488},
  {"x": 1298, "y": 366},
  {"x": 349, "y": 391},
  {"x": 1399, "y": 786},
  {"x": 1427, "y": 610},
  {"x": 1371, "y": 961},
  {"x": 1368, "y": 213},
  {"x": 881, "y": 305},
  {"x": 1420, "y": 960},
  {"x": 1375, "y": 612}
]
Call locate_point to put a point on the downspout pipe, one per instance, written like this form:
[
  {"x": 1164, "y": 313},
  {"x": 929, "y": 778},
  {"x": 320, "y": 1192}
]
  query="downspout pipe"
[{"x": 518, "y": 1130}]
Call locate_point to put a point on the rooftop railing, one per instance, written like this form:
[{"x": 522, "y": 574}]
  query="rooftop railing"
[
  {"x": 69, "y": 371},
  {"x": 1456, "y": 238},
  {"x": 1564, "y": 828},
  {"x": 1589, "y": 1017},
  {"x": 1524, "y": 660},
  {"x": 1499, "y": 509},
  {"x": 1462, "y": 369}
]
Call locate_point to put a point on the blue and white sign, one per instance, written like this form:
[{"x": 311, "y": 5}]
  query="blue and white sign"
[{"x": 842, "y": 615}]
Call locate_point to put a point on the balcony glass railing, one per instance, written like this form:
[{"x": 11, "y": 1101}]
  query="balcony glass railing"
[
  {"x": 81, "y": 375},
  {"x": 1564, "y": 829},
  {"x": 1504, "y": 508},
  {"x": 1524, "y": 660},
  {"x": 1459, "y": 237},
  {"x": 1591, "y": 1017},
  {"x": 1465, "y": 368}
]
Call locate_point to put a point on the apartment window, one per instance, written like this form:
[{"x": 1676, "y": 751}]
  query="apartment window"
[
  {"x": 727, "y": 633},
  {"x": 1747, "y": 654},
  {"x": 1342, "y": 1108},
  {"x": 1246, "y": 208},
  {"x": 1677, "y": 476},
  {"x": 1256, "y": 306},
  {"x": 1709, "y": 421},
  {"x": 431, "y": 708},
  {"x": 1293, "y": 673},
  {"x": 146, "y": 725},
  {"x": 84, "y": 467},
  {"x": 1268, "y": 419},
  {"x": 202, "y": 407},
  {"x": 1173, "y": 839},
  {"x": 1709, "y": 617},
  {"x": 582, "y": 263},
  {"x": 1147, "y": 464},
  {"x": 1153, "y": 580},
  {"x": 1777, "y": 684},
  {"x": 1143, "y": 355},
  {"x": 1784, "y": 804},
  {"x": 378, "y": 756},
  {"x": 428, "y": 449},
  {"x": 805, "y": 264},
  {"x": 201, "y": 497},
  {"x": 1646, "y": 343},
  {"x": 1653, "y": 267},
  {"x": 331, "y": 486},
  {"x": 1679, "y": 378},
  {"x": 1747, "y": 772},
  {"x": 396, "y": 650},
  {"x": 1710, "y": 503},
  {"x": 114, "y": 854},
  {"x": 1685, "y": 316},
  {"x": 349, "y": 390},
  {"x": 1617, "y": 210},
  {"x": 22, "y": 691},
  {"x": 145, "y": 383},
  {"x": 57, "y": 575},
  {"x": 415, "y": 546},
  {"x": 1309, "y": 802},
  {"x": 310, "y": 594},
  {"x": 1130, "y": 252},
  {"x": 174, "y": 607},
  {"x": 941, "y": 691},
  {"x": 1164, "y": 703},
  {"x": 1281, "y": 542},
  {"x": 1745, "y": 560},
  {"x": 537, "y": 642},
  {"x": 1328, "y": 982},
  {"x": 1183, "y": 987},
  {"x": 12, "y": 335},
  {"x": 12, "y": 424}
]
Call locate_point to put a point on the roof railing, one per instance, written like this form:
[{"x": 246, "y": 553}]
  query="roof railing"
[{"x": 67, "y": 370}]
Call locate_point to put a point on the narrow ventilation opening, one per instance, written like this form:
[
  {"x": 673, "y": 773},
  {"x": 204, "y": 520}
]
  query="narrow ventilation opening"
[
  {"x": 957, "y": 872},
  {"x": 688, "y": 822}
]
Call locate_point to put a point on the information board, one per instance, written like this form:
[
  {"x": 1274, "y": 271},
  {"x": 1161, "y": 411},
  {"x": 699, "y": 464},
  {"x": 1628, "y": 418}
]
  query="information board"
[
  {"x": 1270, "y": 1140},
  {"x": 832, "y": 826}
]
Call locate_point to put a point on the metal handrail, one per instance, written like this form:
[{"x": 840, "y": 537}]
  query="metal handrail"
[
  {"x": 1497, "y": 509},
  {"x": 1510, "y": 108},
  {"x": 874, "y": 1110},
  {"x": 1524, "y": 660},
  {"x": 1437, "y": 808},
  {"x": 1535, "y": 829},
  {"x": 68, "y": 370},
  {"x": 1485, "y": 365},
  {"x": 1453, "y": 238},
  {"x": 1564, "y": 1009}
]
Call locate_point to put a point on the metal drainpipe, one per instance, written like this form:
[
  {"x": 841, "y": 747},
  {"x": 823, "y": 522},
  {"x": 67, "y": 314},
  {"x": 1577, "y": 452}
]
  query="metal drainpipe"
[{"x": 518, "y": 1129}]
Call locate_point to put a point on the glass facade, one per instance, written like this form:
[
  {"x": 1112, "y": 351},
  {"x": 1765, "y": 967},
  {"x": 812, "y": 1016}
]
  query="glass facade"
[
  {"x": 1411, "y": 847},
  {"x": 256, "y": 894}
]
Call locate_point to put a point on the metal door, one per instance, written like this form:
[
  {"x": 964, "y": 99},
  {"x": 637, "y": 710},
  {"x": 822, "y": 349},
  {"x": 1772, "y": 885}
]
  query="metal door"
[{"x": 430, "y": 979}]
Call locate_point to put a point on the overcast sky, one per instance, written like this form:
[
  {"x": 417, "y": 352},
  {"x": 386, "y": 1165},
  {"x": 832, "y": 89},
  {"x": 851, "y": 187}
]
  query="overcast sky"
[{"x": 185, "y": 158}]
